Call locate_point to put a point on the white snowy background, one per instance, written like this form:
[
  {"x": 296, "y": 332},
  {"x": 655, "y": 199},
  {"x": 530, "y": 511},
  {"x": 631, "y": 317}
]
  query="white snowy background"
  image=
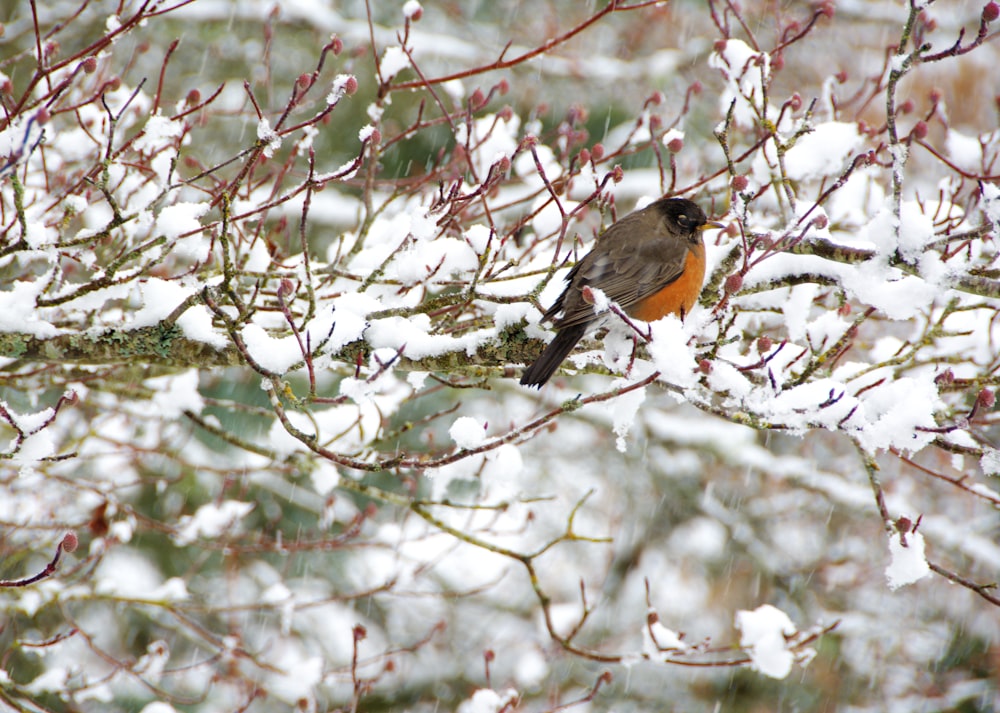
[{"x": 263, "y": 299}]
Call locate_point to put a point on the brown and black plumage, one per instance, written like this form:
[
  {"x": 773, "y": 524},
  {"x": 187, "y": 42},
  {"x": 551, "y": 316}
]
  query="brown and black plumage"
[{"x": 651, "y": 262}]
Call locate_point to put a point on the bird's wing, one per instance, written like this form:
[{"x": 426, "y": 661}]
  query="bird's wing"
[{"x": 628, "y": 267}]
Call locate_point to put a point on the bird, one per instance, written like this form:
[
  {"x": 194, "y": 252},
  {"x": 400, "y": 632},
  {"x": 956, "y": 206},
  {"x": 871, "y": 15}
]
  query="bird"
[{"x": 651, "y": 263}]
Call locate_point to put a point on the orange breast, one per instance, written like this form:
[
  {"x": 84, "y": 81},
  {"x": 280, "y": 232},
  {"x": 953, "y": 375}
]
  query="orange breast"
[{"x": 679, "y": 296}]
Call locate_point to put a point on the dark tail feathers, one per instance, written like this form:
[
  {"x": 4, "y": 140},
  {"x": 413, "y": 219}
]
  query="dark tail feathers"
[{"x": 557, "y": 350}]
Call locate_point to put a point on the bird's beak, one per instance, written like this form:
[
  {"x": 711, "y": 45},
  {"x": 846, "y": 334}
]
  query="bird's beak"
[{"x": 712, "y": 224}]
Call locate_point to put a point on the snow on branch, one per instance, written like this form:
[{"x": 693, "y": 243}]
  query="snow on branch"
[{"x": 265, "y": 302}]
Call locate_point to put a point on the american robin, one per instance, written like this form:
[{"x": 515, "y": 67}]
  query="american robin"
[{"x": 651, "y": 262}]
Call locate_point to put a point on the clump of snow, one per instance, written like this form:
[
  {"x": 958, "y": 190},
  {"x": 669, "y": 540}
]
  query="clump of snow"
[
  {"x": 173, "y": 590},
  {"x": 279, "y": 354},
  {"x": 126, "y": 573},
  {"x": 670, "y": 352},
  {"x": 990, "y": 462},
  {"x": 493, "y": 138},
  {"x": 503, "y": 463},
  {"x": 991, "y": 203},
  {"x": 623, "y": 413},
  {"x": 394, "y": 60},
  {"x": 295, "y": 673},
  {"x": 908, "y": 563},
  {"x": 324, "y": 477},
  {"x": 898, "y": 414},
  {"x": 158, "y": 132},
  {"x": 355, "y": 425},
  {"x": 38, "y": 442},
  {"x": 175, "y": 394},
  {"x": 547, "y": 217},
  {"x": 270, "y": 137},
  {"x": 434, "y": 260},
  {"x": 158, "y": 707},
  {"x": 486, "y": 700},
  {"x": 531, "y": 670},
  {"x": 411, "y": 8},
  {"x": 823, "y": 152},
  {"x": 159, "y": 298},
  {"x": 413, "y": 337},
  {"x": 659, "y": 642},
  {"x": 703, "y": 538},
  {"x": 966, "y": 152},
  {"x": 210, "y": 520},
  {"x": 18, "y": 312},
  {"x": 525, "y": 166},
  {"x": 671, "y": 135},
  {"x": 417, "y": 379},
  {"x": 349, "y": 322},
  {"x": 797, "y": 308},
  {"x": 505, "y": 315},
  {"x": 875, "y": 282},
  {"x": 180, "y": 218},
  {"x": 468, "y": 432},
  {"x": 19, "y": 137},
  {"x": 745, "y": 71},
  {"x": 916, "y": 230},
  {"x": 34, "y": 447},
  {"x": 339, "y": 87},
  {"x": 478, "y": 237},
  {"x": 764, "y": 633},
  {"x": 275, "y": 354}
]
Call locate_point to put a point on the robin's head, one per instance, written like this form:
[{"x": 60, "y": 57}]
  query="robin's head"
[{"x": 684, "y": 217}]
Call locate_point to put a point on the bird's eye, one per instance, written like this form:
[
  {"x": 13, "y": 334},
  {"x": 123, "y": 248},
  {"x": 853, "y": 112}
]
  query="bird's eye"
[{"x": 684, "y": 220}]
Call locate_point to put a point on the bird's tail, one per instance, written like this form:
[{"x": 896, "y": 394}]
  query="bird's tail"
[{"x": 557, "y": 350}]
